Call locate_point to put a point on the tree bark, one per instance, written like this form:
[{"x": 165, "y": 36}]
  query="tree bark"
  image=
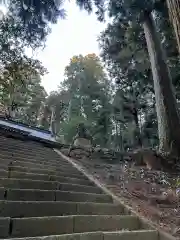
[
  {"x": 138, "y": 140},
  {"x": 174, "y": 15},
  {"x": 166, "y": 106}
]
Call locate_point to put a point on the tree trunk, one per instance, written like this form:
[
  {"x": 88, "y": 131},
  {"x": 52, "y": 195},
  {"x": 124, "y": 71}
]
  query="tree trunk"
[
  {"x": 174, "y": 15},
  {"x": 69, "y": 110},
  {"x": 52, "y": 122},
  {"x": 138, "y": 140},
  {"x": 166, "y": 106}
]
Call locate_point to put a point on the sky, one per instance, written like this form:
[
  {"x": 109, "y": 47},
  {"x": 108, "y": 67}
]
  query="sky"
[{"x": 77, "y": 34}]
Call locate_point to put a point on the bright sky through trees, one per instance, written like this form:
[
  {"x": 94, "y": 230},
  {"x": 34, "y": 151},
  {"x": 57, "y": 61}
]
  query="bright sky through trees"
[{"x": 77, "y": 34}]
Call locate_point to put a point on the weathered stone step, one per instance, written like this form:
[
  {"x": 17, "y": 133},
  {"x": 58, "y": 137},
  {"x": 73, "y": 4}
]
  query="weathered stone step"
[
  {"x": 4, "y": 166},
  {"x": 3, "y": 173},
  {"x": 28, "y": 195},
  {"x": 52, "y": 195},
  {"x": 18, "y": 145},
  {"x": 30, "y": 176},
  {"x": 35, "y": 159},
  {"x": 5, "y": 162},
  {"x": 47, "y": 171},
  {"x": 39, "y": 209},
  {"x": 37, "y": 156},
  {"x": 7, "y": 153},
  {"x": 43, "y": 226},
  {"x": 70, "y": 196},
  {"x": 25, "y": 158},
  {"x": 22, "y": 149},
  {"x": 4, "y": 154},
  {"x": 69, "y": 170},
  {"x": 48, "y": 164},
  {"x": 119, "y": 235},
  {"x": 30, "y": 152},
  {"x": 46, "y": 177},
  {"x": 28, "y": 184},
  {"x": 79, "y": 188},
  {"x": 131, "y": 235},
  {"x": 46, "y": 185}
]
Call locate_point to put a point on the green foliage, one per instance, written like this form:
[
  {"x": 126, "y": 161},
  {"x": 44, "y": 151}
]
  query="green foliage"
[
  {"x": 69, "y": 128},
  {"x": 21, "y": 92},
  {"x": 32, "y": 19},
  {"x": 123, "y": 49},
  {"x": 89, "y": 96},
  {"x": 54, "y": 110}
]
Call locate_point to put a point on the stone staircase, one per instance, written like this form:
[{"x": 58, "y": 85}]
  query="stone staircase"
[{"x": 43, "y": 196}]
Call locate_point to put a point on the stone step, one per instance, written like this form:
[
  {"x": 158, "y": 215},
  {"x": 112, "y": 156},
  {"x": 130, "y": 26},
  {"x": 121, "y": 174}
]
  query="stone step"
[
  {"x": 129, "y": 235},
  {"x": 14, "y": 146},
  {"x": 44, "y": 197},
  {"x": 3, "y": 173},
  {"x": 20, "y": 209},
  {"x": 5, "y": 146},
  {"x": 119, "y": 235},
  {"x": 59, "y": 162},
  {"x": 4, "y": 227},
  {"x": 30, "y": 176},
  {"x": 23, "y": 149},
  {"x": 46, "y": 164},
  {"x": 52, "y": 172},
  {"x": 8, "y": 151},
  {"x": 74, "y": 179},
  {"x": 28, "y": 184},
  {"x": 69, "y": 170},
  {"x": 2, "y": 193},
  {"x": 82, "y": 197},
  {"x": 17, "y": 145},
  {"x": 5, "y": 162},
  {"x": 52, "y": 195},
  {"x": 25, "y": 156},
  {"x": 28, "y": 195},
  {"x": 4, "y": 166},
  {"x": 47, "y": 157},
  {"x": 21, "y": 143},
  {"x": 46, "y": 185},
  {"x": 79, "y": 188},
  {"x": 4, "y": 154},
  {"x": 46, "y": 177},
  {"x": 43, "y": 226},
  {"x": 10, "y": 158}
]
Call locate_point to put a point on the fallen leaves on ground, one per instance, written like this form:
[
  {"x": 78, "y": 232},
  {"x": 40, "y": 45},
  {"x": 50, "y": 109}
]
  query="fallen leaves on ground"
[{"x": 150, "y": 193}]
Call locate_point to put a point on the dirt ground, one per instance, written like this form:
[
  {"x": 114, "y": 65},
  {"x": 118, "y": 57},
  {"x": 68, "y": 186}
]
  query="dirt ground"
[{"x": 153, "y": 194}]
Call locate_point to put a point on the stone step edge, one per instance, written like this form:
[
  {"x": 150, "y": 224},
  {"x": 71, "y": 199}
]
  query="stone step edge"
[
  {"x": 98, "y": 235},
  {"x": 41, "y": 163},
  {"x": 11, "y": 162},
  {"x": 119, "y": 216},
  {"x": 42, "y": 152},
  {"x": 74, "y": 223},
  {"x": 85, "y": 182},
  {"x": 145, "y": 223},
  {"x": 59, "y": 184},
  {"x": 62, "y": 173},
  {"x": 63, "y": 202},
  {"x": 35, "y": 159},
  {"x": 35, "y": 209},
  {"x": 4, "y": 164},
  {"x": 32, "y": 152},
  {"x": 68, "y": 170},
  {"x": 5, "y": 189},
  {"x": 54, "y": 173},
  {"x": 41, "y": 174}
]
